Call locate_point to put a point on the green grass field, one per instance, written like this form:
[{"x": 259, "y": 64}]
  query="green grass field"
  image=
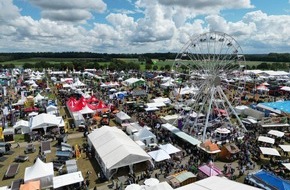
[{"x": 20, "y": 62}]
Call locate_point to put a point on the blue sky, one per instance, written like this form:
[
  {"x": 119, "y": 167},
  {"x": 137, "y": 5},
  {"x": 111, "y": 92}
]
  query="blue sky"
[{"x": 140, "y": 26}]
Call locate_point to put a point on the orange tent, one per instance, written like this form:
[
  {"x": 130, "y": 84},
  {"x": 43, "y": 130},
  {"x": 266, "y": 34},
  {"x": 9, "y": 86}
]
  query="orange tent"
[
  {"x": 31, "y": 185},
  {"x": 209, "y": 146}
]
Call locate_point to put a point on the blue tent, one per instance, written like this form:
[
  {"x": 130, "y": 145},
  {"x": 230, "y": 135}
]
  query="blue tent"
[{"x": 267, "y": 180}]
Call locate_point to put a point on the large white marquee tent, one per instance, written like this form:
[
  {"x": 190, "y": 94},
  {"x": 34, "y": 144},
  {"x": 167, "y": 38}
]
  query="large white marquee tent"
[{"x": 111, "y": 141}]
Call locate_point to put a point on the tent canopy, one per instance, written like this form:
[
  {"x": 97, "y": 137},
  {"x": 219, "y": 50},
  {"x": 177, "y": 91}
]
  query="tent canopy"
[
  {"x": 159, "y": 155},
  {"x": 285, "y": 148},
  {"x": 40, "y": 171},
  {"x": 276, "y": 133},
  {"x": 269, "y": 151},
  {"x": 21, "y": 123},
  {"x": 144, "y": 134},
  {"x": 122, "y": 116},
  {"x": 87, "y": 110},
  {"x": 266, "y": 139},
  {"x": 44, "y": 120},
  {"x": 111, "y": 141},
  {"x": 169, "y": 148},
  {"x": 67, "y": 179}
]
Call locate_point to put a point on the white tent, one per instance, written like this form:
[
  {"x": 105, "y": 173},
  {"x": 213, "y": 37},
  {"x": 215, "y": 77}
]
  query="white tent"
[
  {"x": 67, "y": 179},
  {"x": 167, "y": 84},
  {"x": 287, "y": 165},
  {"x": 169, "y": 148},
  {"x": 151, "y": 109},
  {"x": 87, "y": 110},
  {"x": 216, "y": 183},
  {"x": 266, "y": 139},
  {"x": 285, "y": 88},
  {"x": 114, "y": 149},
  {"x": 40, "y": 171},
  {"x": 32, "y": 114},
  {"x": 160, "y": 186},
  {"x": 121, "y": 117},
  {"x": 285, "y": 148},
  {"x": 159, "y": 155},
  {"x": 78, "y": 83},
  {"x": 151, "y": 182},
  {"x": 21, "y": 124},
  {"x": 132, "y": 81},
  {"x": 269, "y": 151},
  {"x": 38, "y": 97},
  {"x": 276, "y": 133},
  {"x": 185, "y": 90},
  {"x": 44, "y": 120},
  {"x": 133, "y": 186},
  {"x": 145, "y": 136},
  {"x": 51, "y": 109},
  {"x": 161, "y": 99},
  {"x": 156, "y": 104}
]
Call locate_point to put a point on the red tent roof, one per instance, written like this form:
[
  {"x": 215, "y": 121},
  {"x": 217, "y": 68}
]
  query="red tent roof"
[
  {"x": 101, "y": 105},
  {"x": 76, "y": 105},
  {"x": 31, "y": 109},
  {"x": 92, "y": 99}
]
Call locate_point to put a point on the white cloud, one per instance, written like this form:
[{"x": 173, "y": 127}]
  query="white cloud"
[
  {"x": 206, "y": 4},
  {"x": 162, "y": 28},
  {"x": 8, "y": 11},
  {"x": 69, "y": 10}
]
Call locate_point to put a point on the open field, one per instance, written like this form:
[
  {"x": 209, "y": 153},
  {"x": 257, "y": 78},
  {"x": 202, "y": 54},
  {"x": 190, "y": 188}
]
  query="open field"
[{"x": 20, "y": 62}]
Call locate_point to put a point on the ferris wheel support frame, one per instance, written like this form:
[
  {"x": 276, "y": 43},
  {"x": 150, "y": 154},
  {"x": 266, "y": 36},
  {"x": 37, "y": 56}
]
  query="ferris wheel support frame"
[
  {"x": 231, "y": 108},
  {"x": 220, "y": 91},
  {"x": 208, "y": 113}
]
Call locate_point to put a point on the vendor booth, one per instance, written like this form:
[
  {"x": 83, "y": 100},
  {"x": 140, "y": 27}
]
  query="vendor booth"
[
  {"x": 40, "y": 171},
  {"x": 208, "y": 170},
  {"x": 146, "y": 136},
  {"x": 122, "y": 117},
  {"x": 181, "y": 178},
  {"x": 229, "y": 152},
  {"x": 8, "y": 134}
]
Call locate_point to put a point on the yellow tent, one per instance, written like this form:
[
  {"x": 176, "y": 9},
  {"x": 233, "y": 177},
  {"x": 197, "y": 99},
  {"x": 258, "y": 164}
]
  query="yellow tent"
[{"x": 1, "y": 133}]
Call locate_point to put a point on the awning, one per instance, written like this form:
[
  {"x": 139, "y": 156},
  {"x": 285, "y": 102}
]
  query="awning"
[
  {"x": 285, "y": 148},
  {"x": 266, "y": 139},
  {"x": 276, "y": 133},
  {"x": 269, "y": 151},
  {"x": 67, "y": 179}
]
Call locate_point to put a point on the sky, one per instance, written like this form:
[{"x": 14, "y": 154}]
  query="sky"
[{"x": 140, "y": 26}]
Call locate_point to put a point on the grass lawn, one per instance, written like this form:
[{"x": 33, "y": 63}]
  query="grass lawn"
[{"x": 159, "y": 63}]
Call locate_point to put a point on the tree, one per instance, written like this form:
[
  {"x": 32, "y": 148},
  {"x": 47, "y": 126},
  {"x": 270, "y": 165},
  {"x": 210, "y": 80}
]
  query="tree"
[
  {"x": 263, "y": 66},
  {"x": 155, "y": 67},
  {"x": 148, "y": 67},
  {"x": 28, "y": 65},
  {"x": 167, "y": 67}
]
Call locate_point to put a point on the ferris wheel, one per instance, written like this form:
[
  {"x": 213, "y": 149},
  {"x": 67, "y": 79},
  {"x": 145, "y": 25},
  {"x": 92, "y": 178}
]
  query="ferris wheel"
[{"x": 212, "y": 66}]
